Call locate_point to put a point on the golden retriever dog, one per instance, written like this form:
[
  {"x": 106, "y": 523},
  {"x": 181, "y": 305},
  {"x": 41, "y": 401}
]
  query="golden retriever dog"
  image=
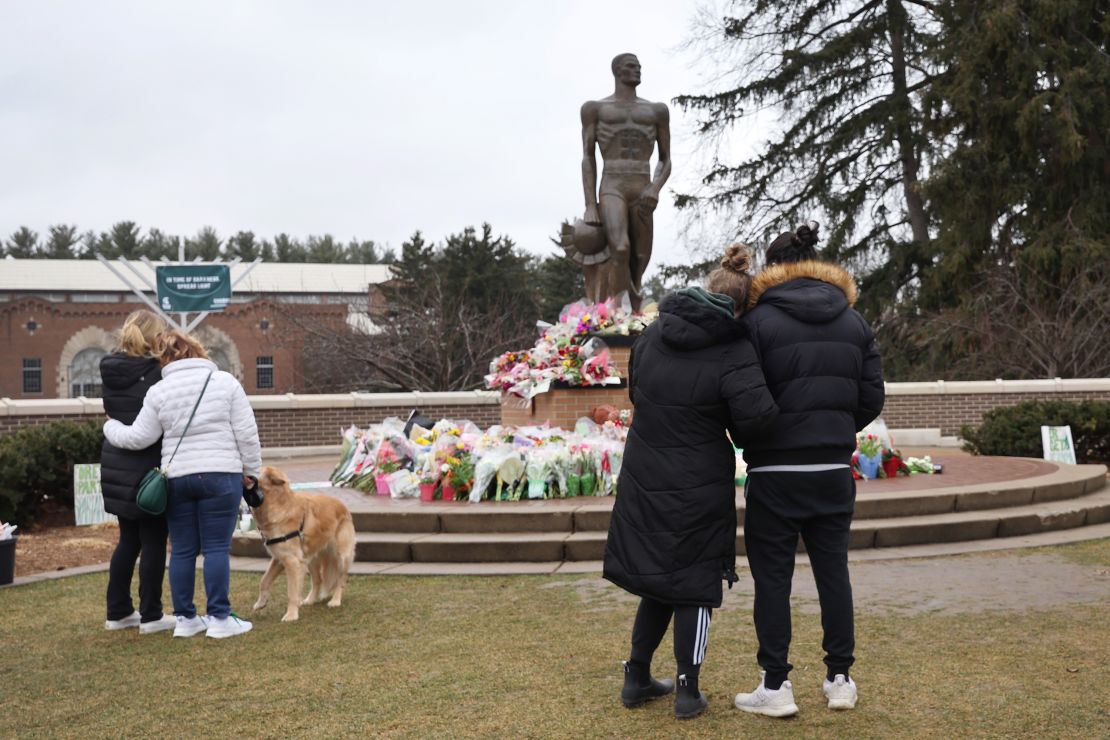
[{"x": 317, "y": 535}]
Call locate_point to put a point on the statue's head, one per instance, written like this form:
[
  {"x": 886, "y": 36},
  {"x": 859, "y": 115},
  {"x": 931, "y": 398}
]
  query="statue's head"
[{"x": 626, "y": 69}]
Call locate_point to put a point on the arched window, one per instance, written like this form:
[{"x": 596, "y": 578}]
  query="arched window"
[
  {"x": 84, "y": 373},
  {"x": 219, "y": 357}
]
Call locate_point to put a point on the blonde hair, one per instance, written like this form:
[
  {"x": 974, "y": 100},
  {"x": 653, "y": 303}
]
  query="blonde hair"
[
  {"x": 139, "y": 332},
  {"x": 732, "y": 277},
  {"x": 175, "y": 345}
]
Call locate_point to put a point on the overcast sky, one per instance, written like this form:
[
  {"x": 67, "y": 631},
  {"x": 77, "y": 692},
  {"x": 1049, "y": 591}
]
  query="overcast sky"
[{"x": 368, "y": 119}]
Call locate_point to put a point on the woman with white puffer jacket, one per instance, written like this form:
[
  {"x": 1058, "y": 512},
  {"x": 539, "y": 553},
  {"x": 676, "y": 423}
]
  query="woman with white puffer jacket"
[{"x": 208, "y": 466}]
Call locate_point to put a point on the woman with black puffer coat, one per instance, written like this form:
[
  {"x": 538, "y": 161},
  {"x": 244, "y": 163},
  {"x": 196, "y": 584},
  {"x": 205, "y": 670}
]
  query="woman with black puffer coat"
[
  {"x": 694, "y": 380},
  {"x": 127, "y": 375}
]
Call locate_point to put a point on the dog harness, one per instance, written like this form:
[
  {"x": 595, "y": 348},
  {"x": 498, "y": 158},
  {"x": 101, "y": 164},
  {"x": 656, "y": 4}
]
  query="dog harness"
[{"x": 284, "y": 537}]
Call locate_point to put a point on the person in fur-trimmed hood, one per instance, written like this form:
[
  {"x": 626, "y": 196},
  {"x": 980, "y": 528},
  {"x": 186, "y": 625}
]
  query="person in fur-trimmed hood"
[{"x": 822, "y": 366}]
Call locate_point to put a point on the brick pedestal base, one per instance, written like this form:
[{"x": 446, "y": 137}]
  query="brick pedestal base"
[{"x": 561, "y": 407}]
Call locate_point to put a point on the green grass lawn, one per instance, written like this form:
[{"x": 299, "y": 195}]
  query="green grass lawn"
[{"x": 525, "y": 657}]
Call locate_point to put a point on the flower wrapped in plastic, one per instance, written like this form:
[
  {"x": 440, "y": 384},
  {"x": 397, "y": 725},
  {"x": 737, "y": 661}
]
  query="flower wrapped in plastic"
[
  {"x": 611, "y": 458},
  {"x": 537, "y": 469},
  {"x": 486, "y": 467},
  {"x": 404, "y": 484},
  {"x": 510, "y": 477}
]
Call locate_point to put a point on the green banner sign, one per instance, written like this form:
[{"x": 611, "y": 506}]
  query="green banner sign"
[{"x": 193, "y": 287}]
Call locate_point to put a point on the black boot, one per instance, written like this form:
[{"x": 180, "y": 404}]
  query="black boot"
[
  {"x": 640, "y": 687},
  {"x": 689, "y": 702}
]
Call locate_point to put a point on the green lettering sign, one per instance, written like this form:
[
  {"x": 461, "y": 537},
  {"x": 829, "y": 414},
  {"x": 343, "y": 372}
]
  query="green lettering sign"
[{"x": 186, "y": 288}]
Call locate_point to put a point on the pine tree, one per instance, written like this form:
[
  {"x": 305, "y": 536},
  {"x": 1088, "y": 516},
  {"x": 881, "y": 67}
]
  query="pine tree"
[
  {"x": 206, "y": 245},
  {"x": 124, "y": 237},
  {"x": 288, "y": 249},
  {"x": 846, "y": 79},
  {"x": 23, "y": 243},
  {"x": 243, "y": 246},
  {"x": 61, "y": 243},
  {"x": 1022, "y": 194}
]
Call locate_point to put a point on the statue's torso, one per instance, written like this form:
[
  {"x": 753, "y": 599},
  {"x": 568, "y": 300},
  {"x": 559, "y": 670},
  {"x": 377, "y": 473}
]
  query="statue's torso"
[{"x": 626, "y": 132}]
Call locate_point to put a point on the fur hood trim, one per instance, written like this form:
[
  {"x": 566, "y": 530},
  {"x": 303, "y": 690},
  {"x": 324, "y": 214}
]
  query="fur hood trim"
[{"x": 779, "y": 274}]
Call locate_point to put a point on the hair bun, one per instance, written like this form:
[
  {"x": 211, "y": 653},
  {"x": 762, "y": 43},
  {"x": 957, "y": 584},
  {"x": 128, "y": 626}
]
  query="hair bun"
[
  {"x": 806, "y": 234},
  {"x": 738, "y": 258}
]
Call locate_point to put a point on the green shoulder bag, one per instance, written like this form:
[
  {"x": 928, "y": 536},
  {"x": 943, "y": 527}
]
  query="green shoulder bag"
[{"x": 154, "y": 488}]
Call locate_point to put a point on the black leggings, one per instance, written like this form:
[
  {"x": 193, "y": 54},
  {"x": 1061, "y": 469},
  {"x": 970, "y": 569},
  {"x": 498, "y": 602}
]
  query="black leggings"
[
  {"x": 146, "y": 536},
  {"x": 691, "y": 634}
]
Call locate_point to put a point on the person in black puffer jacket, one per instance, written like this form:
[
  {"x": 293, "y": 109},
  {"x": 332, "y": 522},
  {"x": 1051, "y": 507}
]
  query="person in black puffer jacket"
[
  {"x": 693, "y": 376},
  {"x": 127, "y": 375},
  {"x": 822, "y": 365}
]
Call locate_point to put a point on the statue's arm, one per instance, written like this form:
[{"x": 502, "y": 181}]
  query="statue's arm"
[
  {"x": 589, "y": 161},
  {"x": 663, "y": 166}
]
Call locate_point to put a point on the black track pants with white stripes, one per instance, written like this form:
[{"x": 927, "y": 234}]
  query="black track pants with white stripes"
[{"x": 691, "y": 634}]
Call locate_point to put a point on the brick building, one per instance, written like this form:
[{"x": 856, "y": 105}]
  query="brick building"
[{"x": 57, "y": 319}]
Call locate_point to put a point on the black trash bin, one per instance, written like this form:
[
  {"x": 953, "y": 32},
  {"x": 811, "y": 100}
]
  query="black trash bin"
[{"x": 7, "y": 560}]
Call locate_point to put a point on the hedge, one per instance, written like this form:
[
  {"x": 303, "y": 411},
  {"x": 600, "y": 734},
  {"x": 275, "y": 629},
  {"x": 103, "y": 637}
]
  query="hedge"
[
  {"x": 36, "y": 464},
  {"x": 1016, "y": 430}
]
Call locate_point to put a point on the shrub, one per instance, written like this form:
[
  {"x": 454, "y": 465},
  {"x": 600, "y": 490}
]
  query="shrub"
[
  {"x": 1016, "y": 430},
  {"x": 36, "y": 464}
]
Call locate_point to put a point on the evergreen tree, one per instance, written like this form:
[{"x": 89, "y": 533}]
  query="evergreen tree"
[
  {"x": 846, "y": 79},
  {"x": 288, "y": 249},
  {"x": 243, "y": 246},
  {"x": 88, "y": 245},
  {"x": 157, "y": 244},
  {"x": 488, "y": 271},
  {"x": 62, "y": 243},
  {"x": 1021, "y": 196},
  {"x": 362, "y": 253},
  {"x": 557, "y": 282},
  {"x": 206, "y": 245},
  {"x": 267, "y": 251},
  {"x": 125, "y": 240},
  {"x": 23, "y": 243},
  {"x": 324, "y": 249}
]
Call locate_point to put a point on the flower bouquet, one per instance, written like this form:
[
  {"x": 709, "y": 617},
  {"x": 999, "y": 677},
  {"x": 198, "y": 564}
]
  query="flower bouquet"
[
  {"x": 870, "y": 455},
  {"x": 385, "y": 468},
  {"x": 565, "y": 352},
  {"x": 427, "y": 480},
  {"x": 537, "y": 469},
  {"x": 460, "y": 475},
  {"x": 892, "y": 465}
]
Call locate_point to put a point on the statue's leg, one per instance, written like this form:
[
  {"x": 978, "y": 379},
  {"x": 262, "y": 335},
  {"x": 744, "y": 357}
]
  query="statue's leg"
[
  {"x": 641, "y": 233},
  {"x": 614, "y": 214}
]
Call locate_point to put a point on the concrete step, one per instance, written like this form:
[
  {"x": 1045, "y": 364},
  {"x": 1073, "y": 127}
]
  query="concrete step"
[
  {"x": 592, "y": 514},
  {"x": 871, "y": 554},
  {"x": 540, "y": 546}
]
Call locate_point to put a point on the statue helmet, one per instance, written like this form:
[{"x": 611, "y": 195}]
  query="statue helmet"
[{"x": 584, "y": 243}]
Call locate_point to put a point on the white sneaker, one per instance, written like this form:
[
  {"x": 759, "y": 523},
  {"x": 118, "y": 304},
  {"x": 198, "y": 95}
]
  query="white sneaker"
[
  {"x": 841, "y": 693},
  {"x": 228, "y": 626},
  {"x": 778, "y": 703},
  {"x": 121, "y": 624},
  {"x": 167, "y": 622},
  {"x": 187, "y": 627}
]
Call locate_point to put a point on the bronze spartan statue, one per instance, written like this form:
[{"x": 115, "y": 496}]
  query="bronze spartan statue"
[{"x": 612, "y": 240}]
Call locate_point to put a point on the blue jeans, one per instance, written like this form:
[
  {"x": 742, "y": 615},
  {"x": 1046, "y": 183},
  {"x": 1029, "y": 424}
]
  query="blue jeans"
[{"x": 201, "y": 512}]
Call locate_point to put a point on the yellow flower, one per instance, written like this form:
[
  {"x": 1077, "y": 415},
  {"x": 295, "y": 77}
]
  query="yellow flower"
[{"x": 460, "y": 446}]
